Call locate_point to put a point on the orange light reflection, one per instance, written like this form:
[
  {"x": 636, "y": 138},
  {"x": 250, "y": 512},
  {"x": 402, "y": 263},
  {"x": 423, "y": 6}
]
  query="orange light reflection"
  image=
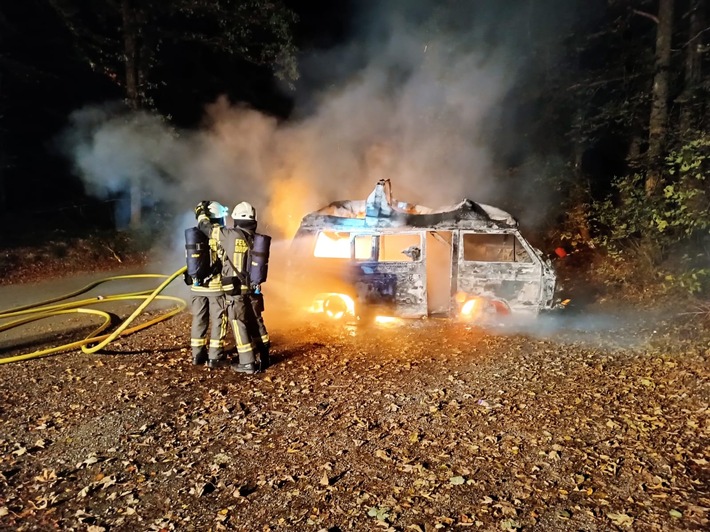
[{"x": 388, "y": 320}]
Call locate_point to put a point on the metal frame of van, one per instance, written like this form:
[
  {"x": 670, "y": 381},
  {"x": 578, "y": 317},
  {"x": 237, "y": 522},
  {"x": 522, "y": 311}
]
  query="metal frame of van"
[{"x": 469, "y": 255}]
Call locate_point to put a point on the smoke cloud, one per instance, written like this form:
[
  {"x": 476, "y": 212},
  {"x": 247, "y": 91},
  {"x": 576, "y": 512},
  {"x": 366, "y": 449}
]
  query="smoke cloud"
[{"x": 413, "y": 96}]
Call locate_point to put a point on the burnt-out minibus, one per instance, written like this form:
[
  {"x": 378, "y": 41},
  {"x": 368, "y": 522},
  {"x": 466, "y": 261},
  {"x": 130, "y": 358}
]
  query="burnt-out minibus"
[{"x": 384, "y": 259}]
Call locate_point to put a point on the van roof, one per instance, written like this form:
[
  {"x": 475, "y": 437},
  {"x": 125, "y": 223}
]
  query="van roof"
[{"x": 381, "y": 211}]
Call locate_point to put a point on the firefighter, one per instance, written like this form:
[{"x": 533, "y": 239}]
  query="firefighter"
[
  {"x": 234, "y": 246},
  {"x": 208, "y": 305},
  {"x": 244, "y": 216}
]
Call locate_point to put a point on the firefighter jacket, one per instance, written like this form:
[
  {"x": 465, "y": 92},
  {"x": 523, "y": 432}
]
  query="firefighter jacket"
[{"x": 234, "y": 246}]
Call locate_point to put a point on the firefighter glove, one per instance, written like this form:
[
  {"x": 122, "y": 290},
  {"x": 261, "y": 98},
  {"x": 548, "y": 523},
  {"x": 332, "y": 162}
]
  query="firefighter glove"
[{"x": 187, "y": 279}]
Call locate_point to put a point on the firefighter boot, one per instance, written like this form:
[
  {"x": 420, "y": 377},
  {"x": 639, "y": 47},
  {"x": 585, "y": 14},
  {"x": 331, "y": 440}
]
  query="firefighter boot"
[
  {"x": 265, "y": 360},
  {"x": 249, "y": 369},
  {"x": 214, "y": 363},
  {"x": 199, "y": 357}
]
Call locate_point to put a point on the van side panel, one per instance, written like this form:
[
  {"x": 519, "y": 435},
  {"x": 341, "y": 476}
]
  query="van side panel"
[
  {"x": 391, "y": 290},
  {"x": 507, "y": 271}
]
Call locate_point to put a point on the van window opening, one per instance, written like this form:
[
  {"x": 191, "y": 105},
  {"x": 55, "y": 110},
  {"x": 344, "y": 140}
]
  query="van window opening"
[
  {"x": 362, "y": 247},
  {"x": 493, "y": 247},
  {"x": 403, "y": 247}
]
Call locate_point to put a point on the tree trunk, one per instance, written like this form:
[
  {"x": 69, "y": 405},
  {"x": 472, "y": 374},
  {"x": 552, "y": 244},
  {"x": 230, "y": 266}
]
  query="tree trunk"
[
  {"x": 691, "y": 109},
  {"x": 3, "y": 162},
  {"x": 580, "y": 193},
  {"x": 133, "y": 94},
  {"x": 657, "y": 124}
]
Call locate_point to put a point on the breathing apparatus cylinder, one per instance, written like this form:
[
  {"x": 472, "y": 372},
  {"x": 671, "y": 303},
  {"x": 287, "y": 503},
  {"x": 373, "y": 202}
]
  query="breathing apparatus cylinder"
[
  {"x": 197, "y": 254},
  {"x": 259, "y": 265}
]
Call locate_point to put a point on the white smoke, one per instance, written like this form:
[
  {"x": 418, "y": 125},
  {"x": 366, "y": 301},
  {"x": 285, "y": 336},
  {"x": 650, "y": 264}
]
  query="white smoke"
[
  {"x": 412, "y": 97},
  {"x": 414, "y": 109}
]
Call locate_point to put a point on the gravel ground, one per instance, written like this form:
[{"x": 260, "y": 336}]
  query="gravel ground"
[{"x": 594, "y": 421}]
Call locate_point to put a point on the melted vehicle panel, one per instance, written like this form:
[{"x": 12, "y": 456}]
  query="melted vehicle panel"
[{"x": 394, "y": 282}]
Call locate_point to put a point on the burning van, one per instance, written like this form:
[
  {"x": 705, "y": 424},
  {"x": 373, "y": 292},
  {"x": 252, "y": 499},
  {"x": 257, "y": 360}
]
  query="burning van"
[{"x": 384, "y": 259}]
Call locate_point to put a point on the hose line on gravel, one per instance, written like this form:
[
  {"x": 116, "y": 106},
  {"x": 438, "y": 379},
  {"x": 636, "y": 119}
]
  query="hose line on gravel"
[{"x": 46, "y": 309}]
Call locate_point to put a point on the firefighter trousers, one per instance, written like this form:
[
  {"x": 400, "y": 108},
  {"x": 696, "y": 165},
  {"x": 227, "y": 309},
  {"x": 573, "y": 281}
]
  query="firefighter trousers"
[
  {"x": 208, "y": 311},
  {"x": 245, "y": 332}
]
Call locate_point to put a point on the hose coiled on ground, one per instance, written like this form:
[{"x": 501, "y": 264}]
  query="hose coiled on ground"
[{"x": 46, "y": 309}]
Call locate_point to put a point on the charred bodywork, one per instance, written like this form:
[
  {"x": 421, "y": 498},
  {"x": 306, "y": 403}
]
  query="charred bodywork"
[{"x": 386, "y": 257}]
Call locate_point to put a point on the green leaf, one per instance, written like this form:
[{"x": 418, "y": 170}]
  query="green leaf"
[{"x": 381, "y": 513}]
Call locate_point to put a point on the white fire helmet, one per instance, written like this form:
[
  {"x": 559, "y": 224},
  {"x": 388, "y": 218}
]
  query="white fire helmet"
[
  {"x": 244, "y": 211},
  {"x": 217, "y": 210}
]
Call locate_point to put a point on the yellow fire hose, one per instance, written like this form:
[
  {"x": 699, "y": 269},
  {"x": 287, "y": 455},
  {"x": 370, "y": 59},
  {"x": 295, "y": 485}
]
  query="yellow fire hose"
[{"x": 46, "y": 309}]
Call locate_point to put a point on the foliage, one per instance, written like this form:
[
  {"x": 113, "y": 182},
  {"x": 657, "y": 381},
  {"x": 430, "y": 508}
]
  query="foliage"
[
  {"x": 676, "y": 220},
  {"x": 255, "y": 31}
]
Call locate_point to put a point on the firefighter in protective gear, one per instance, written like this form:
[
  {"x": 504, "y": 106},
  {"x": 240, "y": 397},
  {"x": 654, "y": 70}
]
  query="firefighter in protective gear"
[
  {"x": 235, "y": 246},
  {"x": 244, "y": 216},
  {"x": 208, "y": 305}
]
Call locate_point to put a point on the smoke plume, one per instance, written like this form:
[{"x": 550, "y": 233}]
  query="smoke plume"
[{"x": 412, "y": 96}]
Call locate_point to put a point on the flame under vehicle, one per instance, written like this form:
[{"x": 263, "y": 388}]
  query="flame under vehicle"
[{"x": 384, "y": 259}]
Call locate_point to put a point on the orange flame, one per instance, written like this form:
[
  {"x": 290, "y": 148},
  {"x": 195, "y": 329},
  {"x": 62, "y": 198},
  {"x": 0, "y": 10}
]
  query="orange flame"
[
  {"x": 289, "y": 202},
  {"x": 333, "y": 305}
]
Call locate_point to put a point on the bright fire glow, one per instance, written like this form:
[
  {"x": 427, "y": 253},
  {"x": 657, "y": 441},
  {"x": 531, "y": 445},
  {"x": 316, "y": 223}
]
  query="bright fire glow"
[
  {"x": 339, "y": 245},
  {"x": 472, "y": 309},
  {"x": 460, "y": 297},
  {"x": 333, "y": 305},
  {"x": 332, "y": 245},
  {"x": 290, "y": 200},
  {"x": 469, "y": 307},
  {"x": 387, "y": 320}
]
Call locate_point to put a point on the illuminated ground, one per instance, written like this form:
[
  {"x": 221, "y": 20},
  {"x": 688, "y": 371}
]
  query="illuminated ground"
[{"x": 427, "y": 426}]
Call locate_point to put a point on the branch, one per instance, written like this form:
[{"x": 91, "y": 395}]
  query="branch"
[
  {"x": 654, "y": 18},
  {"x": 697, "y": 35},
  {"x": 597, "y": 83}
]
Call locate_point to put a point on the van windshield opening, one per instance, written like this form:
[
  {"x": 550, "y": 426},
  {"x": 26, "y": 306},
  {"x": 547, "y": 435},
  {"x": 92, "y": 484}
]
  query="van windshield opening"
[{"x": 332, "y": 245}]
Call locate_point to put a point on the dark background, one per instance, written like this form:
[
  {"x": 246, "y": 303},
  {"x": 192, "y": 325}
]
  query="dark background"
[{"x": 43, "y": 78}]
